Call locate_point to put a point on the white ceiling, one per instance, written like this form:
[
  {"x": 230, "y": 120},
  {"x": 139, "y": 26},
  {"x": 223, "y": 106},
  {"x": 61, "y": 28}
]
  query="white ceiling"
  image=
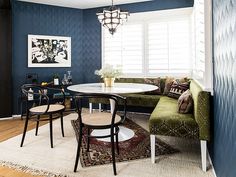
[{"x": 83, "y": 4}]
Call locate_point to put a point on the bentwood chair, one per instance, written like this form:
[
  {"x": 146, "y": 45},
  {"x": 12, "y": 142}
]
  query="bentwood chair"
[
  {"x": 100, "y": 120},
  {"x": 41, "y": 108}
]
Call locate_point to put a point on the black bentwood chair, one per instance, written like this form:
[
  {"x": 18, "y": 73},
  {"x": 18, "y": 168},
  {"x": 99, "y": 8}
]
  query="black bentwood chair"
[
  {"x": 100, "y": 120},
  {"x": 40, "y": 107}
]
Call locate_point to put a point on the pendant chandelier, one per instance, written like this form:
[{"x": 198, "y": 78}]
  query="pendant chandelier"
[{"x": 112, "y": 17}]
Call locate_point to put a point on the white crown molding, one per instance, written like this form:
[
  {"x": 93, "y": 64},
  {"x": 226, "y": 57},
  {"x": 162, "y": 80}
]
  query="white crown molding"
[{"x": 82, "y": 4}]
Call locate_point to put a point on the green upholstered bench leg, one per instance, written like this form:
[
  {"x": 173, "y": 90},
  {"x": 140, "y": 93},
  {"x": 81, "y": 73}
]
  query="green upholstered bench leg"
[
  {"x": 100, "y": 107},
  {"x": 90, "y": 108},
  {"x": 204, "y": 155},
  {"x": 152, "y": 140}
]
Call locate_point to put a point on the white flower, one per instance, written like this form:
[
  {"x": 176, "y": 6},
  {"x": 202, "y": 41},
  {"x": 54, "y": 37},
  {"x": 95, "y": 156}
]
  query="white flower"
[{"x": 109, "y": 72}]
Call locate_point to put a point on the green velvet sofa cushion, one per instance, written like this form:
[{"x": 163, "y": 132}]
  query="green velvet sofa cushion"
[
  {"x": 130, "y": 80},
  {"x": 134, "y": 99},
  {"x": 165, "y": 120},
  {"x": 142, "y": 100}
]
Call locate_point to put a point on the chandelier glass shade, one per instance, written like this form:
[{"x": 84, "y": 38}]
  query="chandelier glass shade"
[{"x": 112, "y": 17}]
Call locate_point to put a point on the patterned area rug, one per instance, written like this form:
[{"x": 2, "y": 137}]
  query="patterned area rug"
[{"x": 137, "y": 147}]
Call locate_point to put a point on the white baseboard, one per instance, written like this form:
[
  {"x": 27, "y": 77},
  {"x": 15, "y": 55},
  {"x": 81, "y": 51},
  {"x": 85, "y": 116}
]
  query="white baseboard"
[
  {"x": 213, "y": 169},
  {"x": 16, "y": 116},
  {"x": 6, "y": 118},
  {"x": 12, "y": 117}
]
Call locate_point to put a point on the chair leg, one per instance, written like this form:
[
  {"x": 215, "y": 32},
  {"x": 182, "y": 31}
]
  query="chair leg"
[
  {"x": 88, "y": 139},
  {"x": 117, "y": 141},
  {"x": 90, "y": 108},
  {"x": 204, "y": 155},
  {"x": 25, "y": 129},
  {"x": 113, "y": 151},
  {"x": 78, "y": 149},
  {"x": 152, "y": 139},
  {"x": 51, "y": 131},
  {"x": 62, "y": 126},
  {"x": 37, "y": 125}
]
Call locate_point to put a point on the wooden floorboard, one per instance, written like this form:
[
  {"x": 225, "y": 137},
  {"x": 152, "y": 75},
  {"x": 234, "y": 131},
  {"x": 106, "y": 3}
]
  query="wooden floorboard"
[
  {"x": 7, "y": 172},
  {"x": 8, "y": 129},
  {"x": 13, "y": 127}
]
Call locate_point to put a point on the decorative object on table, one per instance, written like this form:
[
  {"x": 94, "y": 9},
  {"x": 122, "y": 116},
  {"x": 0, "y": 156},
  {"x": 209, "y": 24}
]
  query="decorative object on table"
[
  {"x": 56, "y": 79},
  {"x": 109, "y": 74},
  {"x": 67, "y": 78},
  {"x": 185, "y": 102},
  {"x": 30, "y": 95},
  {"x": 44, "y": 83},
  {"x": 109, "y": 82},
  {"x": 49, "y": 51},
  {"x": 112, "y": 17},
  {"x": 64, "y": 80},
  {"x": 139, "y": 146}
]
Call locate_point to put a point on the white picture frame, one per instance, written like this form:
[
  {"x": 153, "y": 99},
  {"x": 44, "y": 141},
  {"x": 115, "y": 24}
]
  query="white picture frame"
[{"x": 49, "y": 51}]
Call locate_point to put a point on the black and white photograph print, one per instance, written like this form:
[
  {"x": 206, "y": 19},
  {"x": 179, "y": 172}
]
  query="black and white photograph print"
[{"x": 49, "y": 51}]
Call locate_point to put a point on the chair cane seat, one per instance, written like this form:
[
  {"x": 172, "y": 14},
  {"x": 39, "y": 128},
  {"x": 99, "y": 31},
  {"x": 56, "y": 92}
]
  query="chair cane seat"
[
  {"x": 52, "y": 108},
  {"x": 99, "y": 119}
]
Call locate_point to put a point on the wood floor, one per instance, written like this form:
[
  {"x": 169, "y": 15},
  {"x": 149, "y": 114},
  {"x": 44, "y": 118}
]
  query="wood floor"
[{"x": 8, "y": 129}]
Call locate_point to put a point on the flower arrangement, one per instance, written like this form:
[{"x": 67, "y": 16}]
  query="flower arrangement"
[{"x": 109, "y": 72}]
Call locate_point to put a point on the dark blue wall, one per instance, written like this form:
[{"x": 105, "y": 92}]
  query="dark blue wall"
[
  {"x": 224, "y": 143},
  {"x": 81, "y": 25},
  {"x": 92, "y": 30},
  {"x": 29, "y": 18}
]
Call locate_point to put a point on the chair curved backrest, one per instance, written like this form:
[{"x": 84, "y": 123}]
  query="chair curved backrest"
[
  {"x": 81, "y": 97},
  {"x": 39, "y": 95}
]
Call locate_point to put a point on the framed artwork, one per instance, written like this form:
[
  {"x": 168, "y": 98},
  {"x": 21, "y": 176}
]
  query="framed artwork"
[{"x": 49, "y": 51}]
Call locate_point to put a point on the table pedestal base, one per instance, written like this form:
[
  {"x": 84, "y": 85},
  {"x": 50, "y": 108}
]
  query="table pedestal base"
[{"x": 124, "y": 134}]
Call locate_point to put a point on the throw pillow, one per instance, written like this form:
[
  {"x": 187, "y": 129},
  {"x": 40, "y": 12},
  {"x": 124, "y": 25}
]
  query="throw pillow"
[
  {"x": 177, "y": 88},
  {"x": 185, "y": 102},
  {"x": 156, "y": 82},
  {"x": 168, "y": 83}
]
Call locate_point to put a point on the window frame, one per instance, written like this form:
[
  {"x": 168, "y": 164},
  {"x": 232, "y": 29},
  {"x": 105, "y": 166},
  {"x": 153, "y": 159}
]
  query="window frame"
[{"x": 149, "y": 17}]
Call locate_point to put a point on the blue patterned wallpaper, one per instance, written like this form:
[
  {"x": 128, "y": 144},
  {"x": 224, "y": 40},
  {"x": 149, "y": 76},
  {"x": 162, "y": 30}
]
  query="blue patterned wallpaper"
[
  {"x": 224, "y": 144},
  {"x": 29, "y": 18}
]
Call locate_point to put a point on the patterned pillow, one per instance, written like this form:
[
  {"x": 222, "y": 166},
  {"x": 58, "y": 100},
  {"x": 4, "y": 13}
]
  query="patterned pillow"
[
  {"x": 156, "y": 82},
  {"x": 185, "y": 102},
  {"x": 177, "y": 88},
  {"x": 168, "y": 83}
]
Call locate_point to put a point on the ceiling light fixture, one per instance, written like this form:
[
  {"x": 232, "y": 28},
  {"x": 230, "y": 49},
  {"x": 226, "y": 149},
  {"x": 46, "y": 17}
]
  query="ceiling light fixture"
[{"x": 112, "y": 17}]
